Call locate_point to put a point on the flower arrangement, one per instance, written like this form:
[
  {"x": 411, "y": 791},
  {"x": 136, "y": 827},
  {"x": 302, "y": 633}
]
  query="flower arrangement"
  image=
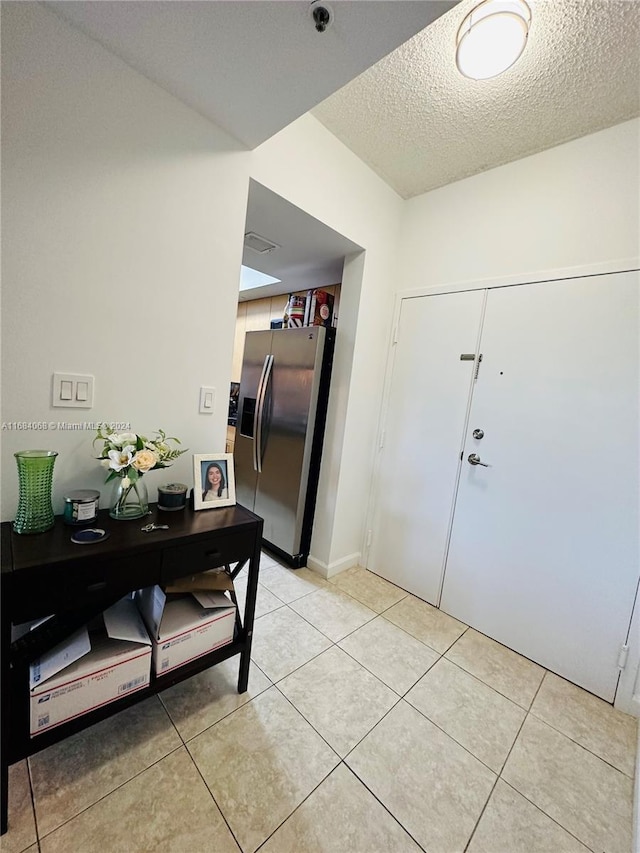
[{"x": 127, "y": 456}]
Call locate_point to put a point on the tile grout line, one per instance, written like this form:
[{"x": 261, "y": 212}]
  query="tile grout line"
[
  {"x": 504, "y": 764},
  {"x": 112, "y": 791},
  {"x": 378, "y": 800},
  {"x": 549, "y": 817},
  {"x": 33, "y": 801},
  {"x": 366, "y": 668},
  {"x": 577, "y": 743},
  {"x": 486, "y": 684},
  {"x": 233, "y": 710},
  {"x": 215, "y": 802},
  {"x": 343, "y": 760},
  {"x": 506, "y": 782}
]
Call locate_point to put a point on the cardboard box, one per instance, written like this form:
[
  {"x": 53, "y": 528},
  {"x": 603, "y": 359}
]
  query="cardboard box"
[
  {"x": 185, "y": 627},
  {"x": 320, "y": 309},
  {"x": 90, "y": 668},
  {"x": 214, "y": 579}
]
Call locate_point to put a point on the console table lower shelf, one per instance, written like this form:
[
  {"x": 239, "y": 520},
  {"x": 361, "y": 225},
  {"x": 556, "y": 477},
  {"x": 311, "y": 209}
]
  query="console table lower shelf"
[{"x": 46, "y": 573}]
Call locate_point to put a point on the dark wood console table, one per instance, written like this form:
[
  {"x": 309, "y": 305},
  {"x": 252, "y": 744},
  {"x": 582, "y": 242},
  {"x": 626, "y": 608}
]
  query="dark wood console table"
[{"x": 46, "y": 573}]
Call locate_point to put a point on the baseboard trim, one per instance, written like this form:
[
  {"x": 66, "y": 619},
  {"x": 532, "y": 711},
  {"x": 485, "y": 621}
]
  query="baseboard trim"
[{"x": 328, "y": 571}]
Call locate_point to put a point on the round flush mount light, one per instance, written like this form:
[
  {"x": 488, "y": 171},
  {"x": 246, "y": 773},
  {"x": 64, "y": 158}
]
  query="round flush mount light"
[{"x": 492, "y": 37}]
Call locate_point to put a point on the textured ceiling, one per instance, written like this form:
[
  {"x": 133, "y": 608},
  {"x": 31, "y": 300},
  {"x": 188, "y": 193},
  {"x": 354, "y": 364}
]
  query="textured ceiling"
[{"x": 419, "y": 124}]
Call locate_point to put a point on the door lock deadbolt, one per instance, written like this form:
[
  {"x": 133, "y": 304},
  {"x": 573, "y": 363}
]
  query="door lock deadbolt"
[{"x": 478, "y": 433}]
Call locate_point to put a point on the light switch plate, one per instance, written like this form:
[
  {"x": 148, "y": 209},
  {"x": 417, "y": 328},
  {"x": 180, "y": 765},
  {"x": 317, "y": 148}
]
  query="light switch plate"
[
  {"x": 72, "y": 391},
  {"x": 207, "y": 400}
]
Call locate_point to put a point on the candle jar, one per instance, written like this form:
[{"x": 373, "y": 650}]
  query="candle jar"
[
  {"x": 81, "y": 506},
  {"x": 172, "y": 497}
]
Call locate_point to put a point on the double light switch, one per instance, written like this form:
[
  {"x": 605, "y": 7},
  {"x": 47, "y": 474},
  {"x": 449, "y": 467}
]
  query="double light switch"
[{"x": 72, "y": 391}]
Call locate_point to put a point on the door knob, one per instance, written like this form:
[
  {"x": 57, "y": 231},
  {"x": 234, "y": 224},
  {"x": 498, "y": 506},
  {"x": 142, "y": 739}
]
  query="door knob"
[{"x": 474, "y": 459}]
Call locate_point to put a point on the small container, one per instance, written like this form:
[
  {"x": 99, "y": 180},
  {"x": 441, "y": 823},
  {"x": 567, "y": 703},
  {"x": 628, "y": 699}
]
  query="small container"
[
  {"x": 81, "y": 506},
  {"x": 172, "y": 497}
]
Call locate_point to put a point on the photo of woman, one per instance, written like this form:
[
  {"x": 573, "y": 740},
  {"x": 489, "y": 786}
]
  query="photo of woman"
[{"x": 214, "y": 482}]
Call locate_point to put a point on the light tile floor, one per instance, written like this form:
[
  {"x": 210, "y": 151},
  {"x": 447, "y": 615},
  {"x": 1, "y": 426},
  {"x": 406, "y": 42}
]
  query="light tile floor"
[{"x": 373, "y": 723}]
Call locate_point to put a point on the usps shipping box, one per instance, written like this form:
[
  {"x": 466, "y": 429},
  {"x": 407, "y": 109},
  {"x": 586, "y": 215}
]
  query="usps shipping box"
[
  {"x": 90, "y": 668},
  {"x": 185, "y": 627}
]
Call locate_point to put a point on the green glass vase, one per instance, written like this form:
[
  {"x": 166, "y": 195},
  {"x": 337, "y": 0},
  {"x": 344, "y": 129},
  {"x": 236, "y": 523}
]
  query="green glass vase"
[{"x": 35, "y": 478}]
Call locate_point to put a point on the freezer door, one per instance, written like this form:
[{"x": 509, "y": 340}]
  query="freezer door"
[
  {"x": 290, "y": 403},
  {"x": 257, "y": 348}
]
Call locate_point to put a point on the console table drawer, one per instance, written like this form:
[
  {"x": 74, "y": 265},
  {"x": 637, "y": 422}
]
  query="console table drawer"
[
  {"x": 60, "y": 588},
  {"x": 209, "y": 553}
]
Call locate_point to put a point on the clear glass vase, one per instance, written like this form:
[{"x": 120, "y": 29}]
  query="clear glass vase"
[
  {"x": 128, "y": 500},
  {"x": 35, "y": 478}
]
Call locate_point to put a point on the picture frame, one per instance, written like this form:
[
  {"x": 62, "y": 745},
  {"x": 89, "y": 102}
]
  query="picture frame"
[{"x": 203, "y": 464}]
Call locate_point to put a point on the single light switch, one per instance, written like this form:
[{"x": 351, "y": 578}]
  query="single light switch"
[
  {"x": 207, "y": 400},
  {"x": 72, "y": 391}
]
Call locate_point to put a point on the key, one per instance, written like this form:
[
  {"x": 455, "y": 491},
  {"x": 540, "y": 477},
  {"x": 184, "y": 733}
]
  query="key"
[{"x": 148, "y": 528}]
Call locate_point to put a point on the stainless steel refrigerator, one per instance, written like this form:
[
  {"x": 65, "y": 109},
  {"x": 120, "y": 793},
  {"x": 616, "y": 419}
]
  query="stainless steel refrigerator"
[{"x": 284, "y": 389}]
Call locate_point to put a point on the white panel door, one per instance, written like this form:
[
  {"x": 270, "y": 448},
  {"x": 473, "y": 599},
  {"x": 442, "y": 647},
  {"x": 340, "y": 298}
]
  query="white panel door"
[
  {"x": 544, "y": 547},
  {"x": 424, "y": 431}
]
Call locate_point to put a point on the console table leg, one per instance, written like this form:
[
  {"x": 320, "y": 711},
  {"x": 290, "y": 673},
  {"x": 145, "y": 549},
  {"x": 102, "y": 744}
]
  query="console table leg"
[
  {"x": 249, "y": 610},
  {"x": 6, "y": 710},
  {"x": 243, "y": 674},
  {"x": 4, "y": 795}
]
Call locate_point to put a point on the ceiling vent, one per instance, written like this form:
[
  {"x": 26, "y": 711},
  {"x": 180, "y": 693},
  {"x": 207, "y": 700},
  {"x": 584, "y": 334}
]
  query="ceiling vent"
[{"x": 259, "y": 244}]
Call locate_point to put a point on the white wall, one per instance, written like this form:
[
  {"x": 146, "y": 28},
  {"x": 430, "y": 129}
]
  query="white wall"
[
  {"x": 573, "y": 205},
  {"x": 123, "y": 215},
  {"x": 309, "y": 167}
]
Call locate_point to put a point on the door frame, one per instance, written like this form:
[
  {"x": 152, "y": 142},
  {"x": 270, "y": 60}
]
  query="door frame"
[{"x": 625, "y": 697}]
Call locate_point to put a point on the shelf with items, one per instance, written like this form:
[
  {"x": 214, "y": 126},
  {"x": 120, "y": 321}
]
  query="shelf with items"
[
  {"x": 257, "y": 314},
  {"x": 48, "y": 573}
]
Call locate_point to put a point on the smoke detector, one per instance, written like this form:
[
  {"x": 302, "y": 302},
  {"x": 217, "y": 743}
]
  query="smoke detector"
[{"x": 259, "y": 244}]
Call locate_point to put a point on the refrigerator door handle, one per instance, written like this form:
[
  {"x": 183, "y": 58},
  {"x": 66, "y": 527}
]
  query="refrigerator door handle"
[{"x": 259, "y": 413}]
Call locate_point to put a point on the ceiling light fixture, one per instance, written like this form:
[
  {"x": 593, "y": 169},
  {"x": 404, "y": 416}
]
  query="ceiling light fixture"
[{"x": 492, "y": 37}]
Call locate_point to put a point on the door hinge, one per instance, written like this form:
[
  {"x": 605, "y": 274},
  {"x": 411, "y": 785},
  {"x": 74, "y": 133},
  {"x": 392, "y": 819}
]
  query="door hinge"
[
  {"x": 622, "y": 657},
  {"x": 395, "y": 335},
  {"x": 369, "y": 536},
  {"x": 475, "y": 378},
  {"x": 381, "y": 445}
]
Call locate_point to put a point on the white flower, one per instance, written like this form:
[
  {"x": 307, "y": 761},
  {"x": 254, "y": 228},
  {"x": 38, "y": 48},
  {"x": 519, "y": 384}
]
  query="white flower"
[
  {"x": 126, "y": 482},
  {"x": 121, "y": 458},
  {"x": 126, "y": 452},
  {"x": 122, "y": 438}
]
